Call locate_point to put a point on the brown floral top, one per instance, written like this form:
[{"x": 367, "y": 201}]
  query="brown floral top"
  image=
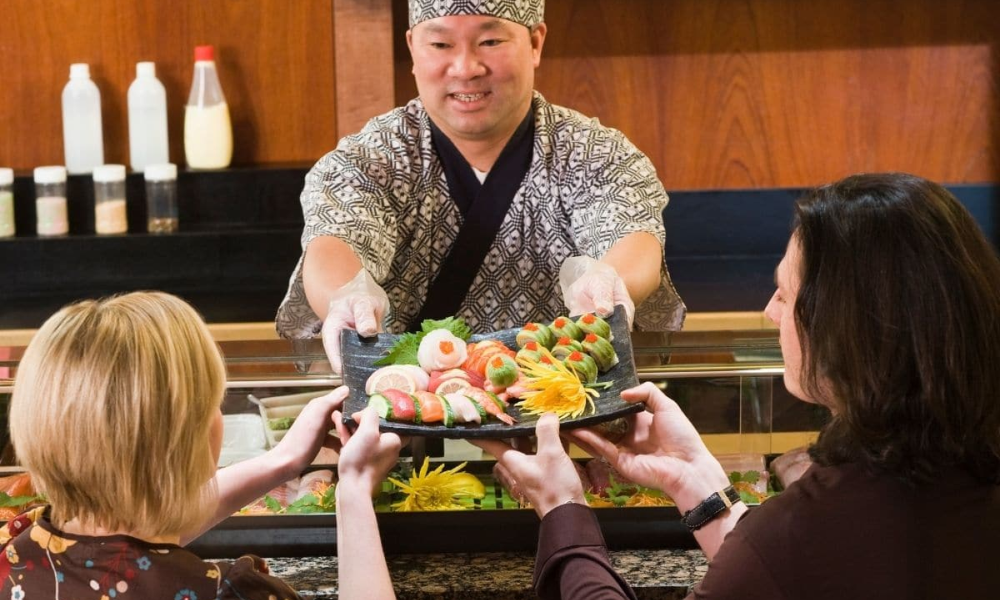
[{"x": 38, "y": 561}]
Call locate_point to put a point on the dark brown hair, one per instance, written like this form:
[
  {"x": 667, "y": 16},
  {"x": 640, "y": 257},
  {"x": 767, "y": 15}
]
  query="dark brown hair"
[{"x": 899, "y": 318}]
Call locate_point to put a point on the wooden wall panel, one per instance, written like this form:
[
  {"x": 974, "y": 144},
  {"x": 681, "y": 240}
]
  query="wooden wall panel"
[
  {"x": 275, "y": 60},
  {"x": 363, "y": 42},
  {"x": 765, "y": 93}
]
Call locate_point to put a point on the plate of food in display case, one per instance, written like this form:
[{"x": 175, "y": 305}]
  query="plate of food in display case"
[
  {"x": 445, "y": 382},
  {"x": 416, "y": 502}
]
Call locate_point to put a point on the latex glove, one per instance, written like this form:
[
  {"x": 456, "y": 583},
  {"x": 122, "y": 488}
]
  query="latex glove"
[
  {"x": 310, "y": 431},
  {"x": 589, "y": 285},
  {"x": 360, "y": 304},
  {"x": 662, "y": 450},
  {"x": 367, "y": 455},
  {"x": 548, "y": 478}
]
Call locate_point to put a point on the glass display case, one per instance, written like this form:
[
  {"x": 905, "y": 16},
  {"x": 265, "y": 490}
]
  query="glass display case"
[{"x": 729, "y": 383}]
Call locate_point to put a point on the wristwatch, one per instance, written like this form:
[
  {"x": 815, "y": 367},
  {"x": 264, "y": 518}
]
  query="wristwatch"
[{"x": 710, "y": 507}]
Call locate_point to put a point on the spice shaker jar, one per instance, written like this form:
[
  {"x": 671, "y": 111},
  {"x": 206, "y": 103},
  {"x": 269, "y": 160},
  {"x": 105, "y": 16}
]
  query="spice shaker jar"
[
  {"x": 161, "y": 198},
  {"x": 50, "y": 201},
  {"x": 110, "y": 215}
]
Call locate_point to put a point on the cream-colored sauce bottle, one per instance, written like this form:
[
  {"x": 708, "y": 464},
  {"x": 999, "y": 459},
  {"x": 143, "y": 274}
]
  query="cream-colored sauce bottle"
[
  {"x": 208, "y": 136},
  {"x": 208, "y": 132}
]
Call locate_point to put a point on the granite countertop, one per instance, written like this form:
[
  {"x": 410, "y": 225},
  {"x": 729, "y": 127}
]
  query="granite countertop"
[{"x": 653, "y": 574}]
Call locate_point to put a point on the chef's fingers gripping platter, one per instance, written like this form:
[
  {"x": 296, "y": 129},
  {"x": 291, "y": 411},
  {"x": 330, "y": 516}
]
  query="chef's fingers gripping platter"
[{"x": 492, "y": 385}]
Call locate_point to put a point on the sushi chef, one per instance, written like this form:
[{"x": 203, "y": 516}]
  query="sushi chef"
[{"x": 478, "y": 199}]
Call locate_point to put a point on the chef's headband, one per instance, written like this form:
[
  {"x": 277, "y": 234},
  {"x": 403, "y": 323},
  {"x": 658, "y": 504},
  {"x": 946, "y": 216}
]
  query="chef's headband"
[{"x": 526, "y": 12}]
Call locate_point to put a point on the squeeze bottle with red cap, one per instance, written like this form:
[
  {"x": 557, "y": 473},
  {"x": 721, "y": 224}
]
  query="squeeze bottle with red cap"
[{"x": 208, "y": 134}]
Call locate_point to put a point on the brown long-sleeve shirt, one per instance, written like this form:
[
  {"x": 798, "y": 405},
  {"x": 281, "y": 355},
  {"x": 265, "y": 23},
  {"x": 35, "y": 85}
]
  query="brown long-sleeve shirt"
[
  {"x": 842, "y": 532},
  {"x": 572, "y": 559},
  {"x": 839, "y": 532}
]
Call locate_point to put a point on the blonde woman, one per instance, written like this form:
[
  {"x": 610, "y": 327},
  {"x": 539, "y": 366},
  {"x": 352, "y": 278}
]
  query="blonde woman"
[{"x": 116, "y": 415}]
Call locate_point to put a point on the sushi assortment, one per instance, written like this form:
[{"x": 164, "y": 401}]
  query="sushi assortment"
[
  {"x": 438, "y": 377},
  {"x": 313, "y": 492},
  {"x": 589, "y": 336}
]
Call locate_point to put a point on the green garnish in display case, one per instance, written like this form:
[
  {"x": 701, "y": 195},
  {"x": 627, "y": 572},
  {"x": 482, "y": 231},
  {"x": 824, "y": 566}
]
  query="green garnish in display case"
[
  {"x": 745, "y": 483},
  {"x": 281, "y": 424},
  {"x": 8, "y": 501}
]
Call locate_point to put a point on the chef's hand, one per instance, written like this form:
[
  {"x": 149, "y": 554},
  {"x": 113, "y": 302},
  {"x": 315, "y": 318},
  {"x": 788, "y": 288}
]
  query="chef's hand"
[
  {"x": 662, "y": 450},
  {"x": 310, "y": 432},
  {"x": 590, "y": 285},
  {"x": 360, "y": 304},
  {"x": 367, "y": 455},
  {"x": 548, "y": 478}
]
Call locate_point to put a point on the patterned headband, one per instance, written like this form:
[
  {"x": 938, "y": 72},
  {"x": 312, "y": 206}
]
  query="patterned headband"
[{"x": 526, "y": 12}]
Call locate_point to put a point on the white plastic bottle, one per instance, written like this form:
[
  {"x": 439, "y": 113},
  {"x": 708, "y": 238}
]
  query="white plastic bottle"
[
  {"x": 208, "y": 134},
  {"x": 147, "y": 119},
  {"x": 83, "y": 136},
  {"x": 6, "y": 202}
]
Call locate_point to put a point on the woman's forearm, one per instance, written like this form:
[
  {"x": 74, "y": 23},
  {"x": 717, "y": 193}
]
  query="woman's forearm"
[{"x": 361, "y": 568}]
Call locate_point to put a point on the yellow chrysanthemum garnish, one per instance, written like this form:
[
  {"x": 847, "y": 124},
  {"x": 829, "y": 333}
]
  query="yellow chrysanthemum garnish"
[
  {"x": 554, "y": 388},
  {"x": 438, "y": 490}
]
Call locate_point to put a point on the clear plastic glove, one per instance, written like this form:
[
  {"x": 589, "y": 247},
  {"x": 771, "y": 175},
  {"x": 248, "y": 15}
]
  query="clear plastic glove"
[
  {"x": 589, "y": 285},
  {"x": 360, "y": 304}
]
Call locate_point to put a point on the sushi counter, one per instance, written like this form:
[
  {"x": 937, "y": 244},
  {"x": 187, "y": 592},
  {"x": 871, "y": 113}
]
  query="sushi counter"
[
  {"x": 728, "y": 382},
  {"x": 653, "y": 574}
]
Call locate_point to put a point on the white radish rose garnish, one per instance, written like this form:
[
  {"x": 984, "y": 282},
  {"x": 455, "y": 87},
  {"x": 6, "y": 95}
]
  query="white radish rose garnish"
[{"x": 441, "y": 349}]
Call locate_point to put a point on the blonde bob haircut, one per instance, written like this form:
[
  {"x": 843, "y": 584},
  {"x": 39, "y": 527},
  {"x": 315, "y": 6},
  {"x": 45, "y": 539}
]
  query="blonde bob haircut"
[{"x": 111, "y": 414}]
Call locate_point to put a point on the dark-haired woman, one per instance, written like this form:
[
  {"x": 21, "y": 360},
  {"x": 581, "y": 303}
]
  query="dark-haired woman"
[{"x": 888, "y": 309}]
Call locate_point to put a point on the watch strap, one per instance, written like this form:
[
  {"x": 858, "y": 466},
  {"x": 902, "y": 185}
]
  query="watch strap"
[{"x": 710, "y": 507}]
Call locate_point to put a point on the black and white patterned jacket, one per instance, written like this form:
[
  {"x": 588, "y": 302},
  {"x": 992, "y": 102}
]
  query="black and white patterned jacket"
[{"x": 383, "y": 191}]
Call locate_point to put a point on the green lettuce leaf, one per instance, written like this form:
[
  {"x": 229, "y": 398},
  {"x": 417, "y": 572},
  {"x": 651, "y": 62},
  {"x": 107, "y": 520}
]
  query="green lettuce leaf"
[
  {"x": 272, "y": 504},
  {"x": 7, "y": 501},
  {"x": 455, "y": 325},
  {"x": 403, "y": 352}
]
